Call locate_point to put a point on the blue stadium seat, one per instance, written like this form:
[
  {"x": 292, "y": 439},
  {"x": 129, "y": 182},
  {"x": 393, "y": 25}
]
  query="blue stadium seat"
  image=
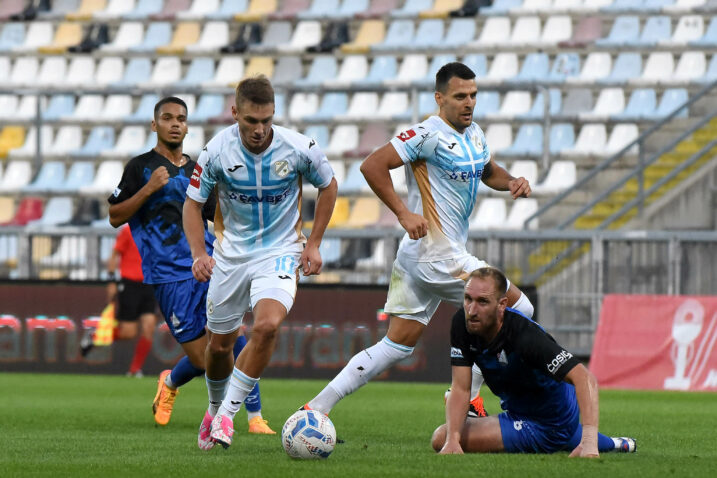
[
  {"x": 534, "y": 69},
  {"x": 400, "y": 33},
  {"x": 330, "y": 250},
  {"x": 382, "y": 68},
  {"x": 280, "y": 106},
  {"x": 562, "y": 137},
  {"x": 537, "y": 110},
  {"x": 656, "y": 29},
  {"x": 528, "y": 141},
  {"x": 12, "y": 35},
  {"x": 320, "y": 133},
  {"x": 627, "y": 65},
  {"x": 157, "y": 34},
  {"x": 228, "y": 9},
  {"x": 99, "y": 139},
  {"x": 429, "y": 79},
  {"x": 209, "y": 105},
  {"x": 332, "y": 104},
  {"x": 426, "y": 104},
  {"x": 500, "y": 7},
  {"x": 671, "y": 99},
  {"x": 655, "y": 6},
  {"x": 59, "y": 106},
  {"x": 711, "y": 73},
  {"x": 138, "y": 70},
  {"x": 476, "y": 62},
  {"x": 145, "y": 109},
  {"x": 200, "y": 69},
  {"x": 429, "y": 34},
  {"x": 348, "y": 9},
  {"x": 625, "y": 30},
  {"x": 149, "y": 144},
  {"x": 487, "y": 102},
  {"x": 460, "y": 32},
  {"x": 709, "y": 39},
  {"x": 618, "y": 6},
  {"x": 81, "y": 174},
  {"x": 144, "y": 9},
  {"x": 355, "y": 182},
  {"x": 412, "y": 8},
  {"x": 640, "y": 106},
  {"x": 564, "y": 66},
  {"x": 319, "y": 9},
  {"x": 323, "y": 68},
  {"x": 50, "y": 176}
]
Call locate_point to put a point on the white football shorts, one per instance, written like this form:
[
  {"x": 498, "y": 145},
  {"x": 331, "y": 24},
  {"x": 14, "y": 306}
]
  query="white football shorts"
[
  {"x": 417, "y": 288},
  {"x": 237, "y": 286}
]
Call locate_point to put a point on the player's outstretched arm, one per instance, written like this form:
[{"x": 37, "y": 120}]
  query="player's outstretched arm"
[
  {"x": 457, "y": 409},
  {"x": 122, "y": 212},
  {"x": 586, "y": 390},
  {"x": 203, "y": 263},
  {"x": 496, "y": 177},
  {"x": 311, "y": 258},
  {"x": 376, "y": 169}
]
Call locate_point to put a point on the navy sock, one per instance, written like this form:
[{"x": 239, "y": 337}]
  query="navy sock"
[
  {"x": 184, "y": 371},
  {"x": 253, "y": 400},
  {"x": 605, "y": 443}
]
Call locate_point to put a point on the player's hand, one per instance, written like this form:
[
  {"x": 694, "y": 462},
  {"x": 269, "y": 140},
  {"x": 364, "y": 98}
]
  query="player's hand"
[
  {"x": 310, "y": 261},
  {"x": 202, "y": 268},
  {"x": 111, "y": 291},
  {"x": 451, "y": 448},
  {"x": 415, "y": 225},
  {"x": 584, "y": 452},
  {"x": 519, "y": 188},
  {"x": 158, "y": 179}
]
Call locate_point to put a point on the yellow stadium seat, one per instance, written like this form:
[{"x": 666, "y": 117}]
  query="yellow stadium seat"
[
  {"x": 11, "y": 137},
  {"x": 257, "y": 10},
  {"x": 370, "y": 33},
  {"x": 365, "y": 213},
  {"x": 341, "y": 213},
  {"x": 87, "y": 8},
  {"x": 7, "y": 209},
  {"x": 66, "y": 35},
  {"x": 441, "y": 9},
  {"x": 185, "y": 34},
  {"x": 259, "y": 65}
]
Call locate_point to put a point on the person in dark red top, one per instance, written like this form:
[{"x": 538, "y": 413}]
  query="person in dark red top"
[{"x": 135, "y": 301}]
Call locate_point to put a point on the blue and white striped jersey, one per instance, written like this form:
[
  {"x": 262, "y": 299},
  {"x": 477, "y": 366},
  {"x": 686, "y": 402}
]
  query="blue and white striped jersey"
[
  {"x": 443, "y": 171},
  {"x": 258, "y": 195}
]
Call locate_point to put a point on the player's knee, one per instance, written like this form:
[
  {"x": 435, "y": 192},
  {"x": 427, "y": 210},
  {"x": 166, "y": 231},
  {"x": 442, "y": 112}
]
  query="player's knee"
[
  {"x": 439, "y": 438},
  {"x": 266, "y": 330},
  {"x": 218, "y": 350}
]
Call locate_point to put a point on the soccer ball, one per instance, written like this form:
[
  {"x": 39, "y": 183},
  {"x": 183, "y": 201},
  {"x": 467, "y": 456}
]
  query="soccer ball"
[{"x": 308, "y": 434}]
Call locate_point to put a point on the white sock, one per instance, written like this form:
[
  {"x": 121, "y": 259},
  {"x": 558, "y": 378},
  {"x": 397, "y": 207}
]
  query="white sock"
[
  {"x": 216, "y": 390},
  {"x": 361, "y": 368},
  {"x": 476, "y": 380},
  {"x": 168, "y": 381},
  {"x": 240, "y": 385},
  {"x": 524, "y": 306},
  {"x": 250, "y": 415}
]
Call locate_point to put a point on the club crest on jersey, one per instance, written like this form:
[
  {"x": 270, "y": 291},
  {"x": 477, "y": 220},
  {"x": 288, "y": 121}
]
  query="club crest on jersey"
[
  {"x": 477, "y": 142},
  {"x": 281, "y": 168}
]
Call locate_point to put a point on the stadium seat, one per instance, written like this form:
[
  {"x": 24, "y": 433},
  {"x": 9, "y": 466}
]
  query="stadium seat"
[
  {"x": 214, "y": 36},
  {"x": 371, "y": 32},
  {"x": 129, "y": 35},
  {"x": 640, "y": 106},
  {"x": 100, "y": 139},
  {"x": 525, "y": 32},
  {"x": 38, "y": 34},
  {"x": 426, "y": 107},
  {"x": 655, "y": 6},
  {"x": 318, "y": 9},
  {"x": 534, "y": 69},
  {"x": 514, "y": 103},
  {"x": 441, "y": 9},
  {"x": 80, "y": 72},
  {"x": 229, "y": 70},
  {"x": 504, "y": 66},
  {"x": 332, "y": 104},
  {"x": 26, "y": 108},
  {"x": 106, "y": 178},
  {"x": 413, "y": 67},
  {"x": 526, "y": 168},
  {"x": 144, "y": 9},
  {"x": 353, "y": 68},
  {"x": 590, "y": 141},
  {"x": 628, "y": 65},
  {"x": 683, "y": 6},
  {"x": 577, "y": 100},
  {"x": 322, "y": 68},
  {"x": 365, "y": 213},
  {"x": 411, "y": 9},
  {"x": 561, "y": 175},
  {"x": 7, "y": 211},
  {"x": 87, "y": 107},
  {"x": 57, "y": 211},
  {"x": 344, "y": 138},
  {"x": 400, "y": 33},
  {"x": 691, "y": 66},
  {"x": 58, "y": 107},
  {"x": 429, "y": 79},
  {"x": 377, "y": 261},
  {"x": 72, "y": 251},
  {"x": 588, "y": 30},
  {"x": 157, "y": 34},
  {"x": 275, "y": 35},
  {"x": 129, "y": 143},
  {"x": 306, "y": 34},
  {"x": 476, "y": 62},
  {"x": 209, "y": 106},
  {"x": 8, "y": 105},
  {"x": 382, "y": 68},
  {"x": 257, "y": 11},
  {"x": 138, "y": 70},
  {"x": 114, "y": 10},
  {"x": 537, "y": 111},
  {"x": 591, "y": 6},
  {"x": 145, "y": 109},
  {"x": 167, "y": 70},
  {"x": 521, "y": 210},
  {"x": 29, "y": 209},
  {"x": 67, "y": 140},
  {"x": 610, "y": 101},
  {"x": 459, "y": 32},
  {"x": 50, "y": 176},
  {"x": 709, "y": 39},
  {"x": 659, "y": 66},
  {"x": 194, "y": 141},
  {"x": 28, "y": 148},
  {"x": 622, "y": 6},
  {"x": 657, "y": 28},
  {"x": 81, "y": 174},
  {"x": 531, "y": 7},
  {"x": 555, "y": 30},
  {"x": 711, "y": 73},
  {"x": 258, "y": 65},
  {"x": 562, "y": 137},
  {"x": 672, "y": 99},
  {"x": 373, "y": 136},
  {"x": 11, "y": 137},
  {"x": 171, "y": 8},
  {"x": 528, "y": 141},
  {"x": 198, "y": 10},
  {"x": 201, "y": 69},
  {"x": 303, "y": 105},
  {"x": 499, "y": 136},
  {"x": 86, "y": 9},
  {"x": 319, "y": 133},
  {"x": 186, "y": 33},
  {"x": 52, "y": 69},
  {"x": 689, "y": 28},
  {"x": 491, "y": 214},
  {"x": 622, "y": 135},
  {"x": 363, "y": 106},
  {"x": 116, "y": 107},
  {"x": 67, "y": 35},
  {"x": 355, "y": 183},
  {"x": 109, "y": 70},
  {"x": 24, "y": 71},
  {"x": 338, "y": 166},
  {"x": 9, "y": 8},
  {"x": 597, "y": 65},
  {"x": 625, "y": 31},
  {"x": 11, "y": 36},
  {"x": 392, "y": 103},
  {"x": 495, "y": 32},
  {"x": 487, "y": 102},
  {"x": 500, "y": 7},
  {"x": 429, "y": 34}
]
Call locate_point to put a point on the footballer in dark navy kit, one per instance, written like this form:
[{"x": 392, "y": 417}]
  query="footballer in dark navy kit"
[{"x": 543, "y": 389}]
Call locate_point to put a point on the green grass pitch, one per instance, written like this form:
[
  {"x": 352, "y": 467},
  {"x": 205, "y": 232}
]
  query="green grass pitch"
[{"x": 74, "y": 425}]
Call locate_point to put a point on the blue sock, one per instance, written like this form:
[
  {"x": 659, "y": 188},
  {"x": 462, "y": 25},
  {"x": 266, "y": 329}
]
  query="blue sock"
[
  {"x": 253, "y": 400},
  {"x": 184, "y": 371},
  {"x": 605, "y": 443}
]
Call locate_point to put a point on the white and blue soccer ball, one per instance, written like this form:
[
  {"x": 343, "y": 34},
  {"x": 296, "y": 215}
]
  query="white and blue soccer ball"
[{"x": 308, "y": 434}]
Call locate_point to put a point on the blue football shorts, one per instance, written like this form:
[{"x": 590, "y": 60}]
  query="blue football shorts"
[
  {"x": 184, "y": 306},
  {"x": 524, "y": 435}
]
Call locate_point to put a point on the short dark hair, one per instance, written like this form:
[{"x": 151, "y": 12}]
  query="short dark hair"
[
  {"x": 448, "y": 71},
  {"x": 169, "y": 99},
  {"x": 496, "y": 275},
  {"x": 256, "y": 89}
]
